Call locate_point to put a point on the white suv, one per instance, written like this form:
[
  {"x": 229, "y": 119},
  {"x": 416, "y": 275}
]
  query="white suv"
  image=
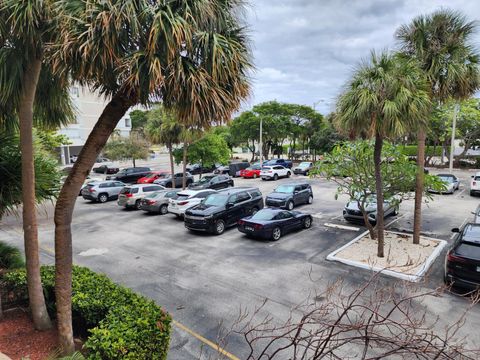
[
  {"x": 274, "y": 172},
  {"x": 132, "y": 195},
  {"x": 475, "y": 184},
  {"x": 186, "y": 199}
]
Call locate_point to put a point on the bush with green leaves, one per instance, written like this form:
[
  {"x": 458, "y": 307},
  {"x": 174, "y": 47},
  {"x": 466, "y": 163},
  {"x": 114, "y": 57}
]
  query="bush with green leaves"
[
  {"x": 10, "y": 257},
  {"x": 122, "y": 324},
  {"x": 411, "y": 150}
]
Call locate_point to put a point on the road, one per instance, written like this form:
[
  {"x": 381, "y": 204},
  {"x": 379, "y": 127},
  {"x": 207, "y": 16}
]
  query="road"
[{"x": 205, "y": 281}]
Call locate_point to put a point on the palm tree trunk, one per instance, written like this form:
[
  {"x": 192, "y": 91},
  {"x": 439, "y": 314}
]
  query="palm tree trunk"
[
  {"x": 170, "y": 154},
  {"x": 40, "y": 317},
  {"x": 104, "y": 127},
  {"x": 417, "y": 213},
  {"x": 377, "y": 159},
  {"x": 184, "y": 166}
]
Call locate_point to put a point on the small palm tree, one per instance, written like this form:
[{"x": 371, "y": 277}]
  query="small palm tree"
[
  {"x": 385, "y": 98},
  {"x": 441, "y": 45},
  {"x": 30, "y": 93},
  {"x": 163, "y": 128}
]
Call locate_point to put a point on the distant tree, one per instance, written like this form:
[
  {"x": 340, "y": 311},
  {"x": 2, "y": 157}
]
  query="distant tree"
[
  {"x": 324, "y": 139},
  {"x": 226, "y": 133},
  {"x": 51, "y": 140},
  {"x": 351, "y": 166},
  {"x": 133, "y": 147},
  {"x": 468, "y": 125},
  {"x": 245, "y": 129},
  {"x": 139, "y": 119}
]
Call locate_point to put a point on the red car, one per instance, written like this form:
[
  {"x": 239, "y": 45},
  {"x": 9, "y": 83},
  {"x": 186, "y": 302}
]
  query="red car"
[
  {"x": 251, "y": 172},
  {"x": 152, "y": 176}
]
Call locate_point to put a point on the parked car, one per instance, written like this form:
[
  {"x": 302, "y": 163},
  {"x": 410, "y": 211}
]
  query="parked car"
[
  {"x": 232, "y": 169},
  {"x": 252, "y": 171},
  {"x": 131, "y": 174},
  {"x": 168, "y": 182},
  {"x": 475, "y": 184},
  {"x": 274, "y": 172},
  {"x": 157, "y": 202},
  {"x": 223, "y": 209},
  {"x": 476, "y": 215},
  {"x": 152, "y": 176},
  {"x": 273, "y": 223},
  {"x": 303, "y": 168},
  {"x": 283, "y": 162},
  {"x": 131, "y": 196},
  {"x": 196, "y": 169},
  {"x": 106, "y": 169},
  {"x": 102, "y": 191},
  {"x": 186, "y": 199},
  {"x": 288, "y": 196},
  {"x": 215, "y": 182},
  {"x": 462, "y": 262},
  {"x": 352, "y": 213},
  {"x": 452, "y": 183},
  {"x": 88, "y": 180}
]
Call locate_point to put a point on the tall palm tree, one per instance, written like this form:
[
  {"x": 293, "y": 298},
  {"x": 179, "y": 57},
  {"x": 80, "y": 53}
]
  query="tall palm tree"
[
  {"x": 385, "y": 97},
  {"x": 30, "y": 94},
  {"x": 441, "y": 44},
  {"x": 193, "y": 55},
  {"x": 163, "y": 128}
]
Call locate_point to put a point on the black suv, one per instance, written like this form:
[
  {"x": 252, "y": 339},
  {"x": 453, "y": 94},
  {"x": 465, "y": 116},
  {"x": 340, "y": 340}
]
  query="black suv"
[
  {"x": 215, "y": 182},
  {"x": 223, "y": 209},
  {"x": 462, "y": 263},
  {"x": 131, "y": 174},
  {"x": 289, "y": 195}
]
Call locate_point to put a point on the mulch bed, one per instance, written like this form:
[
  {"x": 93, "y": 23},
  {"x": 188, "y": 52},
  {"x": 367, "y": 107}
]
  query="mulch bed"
[{"x": 19, "y": 339}]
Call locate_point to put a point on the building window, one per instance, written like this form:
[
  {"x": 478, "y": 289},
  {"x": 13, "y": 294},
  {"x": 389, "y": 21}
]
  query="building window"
[{"x": 127, "y": 122}]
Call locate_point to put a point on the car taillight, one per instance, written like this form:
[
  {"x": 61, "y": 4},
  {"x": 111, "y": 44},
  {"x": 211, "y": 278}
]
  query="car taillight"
[
  {"x": 453, "y": 258},
  {"x": 474, "y": 183},
  {"x": 151, "y": 202},
  {"x": 240, "y": 222},
  {"x": 128, "y": 195},
  {"x": 258, "y": 226},
  {"x": 182, "y": 203},
  {"x": 91, "y": 189}
]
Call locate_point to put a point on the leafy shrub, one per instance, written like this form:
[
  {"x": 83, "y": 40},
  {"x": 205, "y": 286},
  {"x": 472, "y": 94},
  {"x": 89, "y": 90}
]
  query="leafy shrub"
[
  {"x": 411, "y": 150},
  {"x": 123, "y": 324},
  {"x": 10, "y": 257}
]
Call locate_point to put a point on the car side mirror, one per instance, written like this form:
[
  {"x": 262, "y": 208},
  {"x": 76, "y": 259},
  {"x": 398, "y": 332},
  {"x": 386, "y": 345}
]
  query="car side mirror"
[
  {"x": 455, "y": 230},
  {"x": 229, "y": 205}
]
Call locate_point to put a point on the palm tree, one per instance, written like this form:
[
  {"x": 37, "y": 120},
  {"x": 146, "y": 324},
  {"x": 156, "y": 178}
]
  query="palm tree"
[
  {"x": 193, "y": 55},
  {"x": 440, "y": 43},
  {"x": 30, "y": 94},
  {"x": 163, "y": 128},
  {"x": 385, "y": 97}
]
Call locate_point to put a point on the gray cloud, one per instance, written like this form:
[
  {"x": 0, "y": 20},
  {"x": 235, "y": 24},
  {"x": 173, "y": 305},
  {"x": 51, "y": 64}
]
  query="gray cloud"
[{"x": 305, "y": 50}]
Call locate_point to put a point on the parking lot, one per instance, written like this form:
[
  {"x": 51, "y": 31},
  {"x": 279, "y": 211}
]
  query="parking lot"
[{"x": 204, "y": 280}]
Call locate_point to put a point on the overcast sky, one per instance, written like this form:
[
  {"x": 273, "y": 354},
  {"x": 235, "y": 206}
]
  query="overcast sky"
[{"x": 305, "y": 50}]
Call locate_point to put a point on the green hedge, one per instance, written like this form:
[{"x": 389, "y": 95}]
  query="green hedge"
[
  {"x": 122, "y": 324},
  {"x": 411, "y": 150}
]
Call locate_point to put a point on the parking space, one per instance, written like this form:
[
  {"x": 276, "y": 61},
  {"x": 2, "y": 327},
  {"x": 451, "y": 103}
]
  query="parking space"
[{"x": 204, "y": 280}]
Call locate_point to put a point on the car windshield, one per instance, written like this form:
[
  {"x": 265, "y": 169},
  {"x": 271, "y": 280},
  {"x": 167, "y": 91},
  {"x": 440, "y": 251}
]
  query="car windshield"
[
  {"x": 285, "y": 189},
  {"x": 205, "y": 179},
  {"x": 264, "y": 215},
  {"x": 215, "y": 199},
  {"x": 304, "y": 164},
  {"x": 447, "y": 179},
  {"x": 154, "y": 194}
]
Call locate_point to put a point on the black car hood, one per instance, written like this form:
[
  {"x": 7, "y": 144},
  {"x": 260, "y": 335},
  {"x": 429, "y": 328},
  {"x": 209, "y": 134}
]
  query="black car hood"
[
  {"x": 279, "y": 196},
  {"x": 204, "y": 210}
]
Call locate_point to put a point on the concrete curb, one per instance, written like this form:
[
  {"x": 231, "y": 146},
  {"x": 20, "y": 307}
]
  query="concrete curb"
[{"x": 413, "y": 278}]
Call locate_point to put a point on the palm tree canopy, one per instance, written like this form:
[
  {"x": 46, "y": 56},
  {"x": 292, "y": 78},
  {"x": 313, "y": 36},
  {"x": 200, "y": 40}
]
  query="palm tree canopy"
[
  {"x": 193, "y": 55},
  {"x": 25, "y": 29},
  {"x": 386, "y": 96},
  {"x": 162, "y": 127},
  {"x": 441, "y": 43}
]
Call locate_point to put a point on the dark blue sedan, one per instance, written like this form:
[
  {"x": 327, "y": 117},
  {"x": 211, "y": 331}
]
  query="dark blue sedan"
[{"x": 271, "y": 223}]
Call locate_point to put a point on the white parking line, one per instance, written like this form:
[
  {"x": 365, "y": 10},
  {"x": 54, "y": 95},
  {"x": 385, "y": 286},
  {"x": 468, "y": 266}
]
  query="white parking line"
[
  {"x": 395, "y": 220},
  {"x": 344, "y": 227},
  {"x": 461, "y": 192}
]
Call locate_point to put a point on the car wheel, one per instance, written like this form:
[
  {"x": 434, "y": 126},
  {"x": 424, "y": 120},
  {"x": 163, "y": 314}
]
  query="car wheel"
[
  {"x": 103, "y": 198},
  {"x": 275, "y": 177},
  {"x": 289, "y": 205},
  {"x": 189, "y": 182},
  {"x": 138, "y": 205},
  {"x": 306, "y": 173},
  {"x": 168, "y": 185},
  {"x": 219, "y": 227},
  {"x": 254, "y": 210},
  {"x": 395, "y": 211},
  {"x": 288, "y": 174},
  {"x": 307, "y": 222},
  {"x": 276, "y": 233},
  {"x": 164, "y": 209},
  {"x": 472, "y": 193},
  {"x": 310, "y": 199}
]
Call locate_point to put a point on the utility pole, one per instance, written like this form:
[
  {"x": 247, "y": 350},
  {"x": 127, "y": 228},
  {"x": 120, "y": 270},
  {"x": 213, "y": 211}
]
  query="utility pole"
[
  {"x": 452, "y": 144},
  {"x": 260, "y": 144}
]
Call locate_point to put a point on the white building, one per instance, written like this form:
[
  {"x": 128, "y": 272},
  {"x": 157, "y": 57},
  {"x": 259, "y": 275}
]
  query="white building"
[{"x": 89, "y": 106}]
